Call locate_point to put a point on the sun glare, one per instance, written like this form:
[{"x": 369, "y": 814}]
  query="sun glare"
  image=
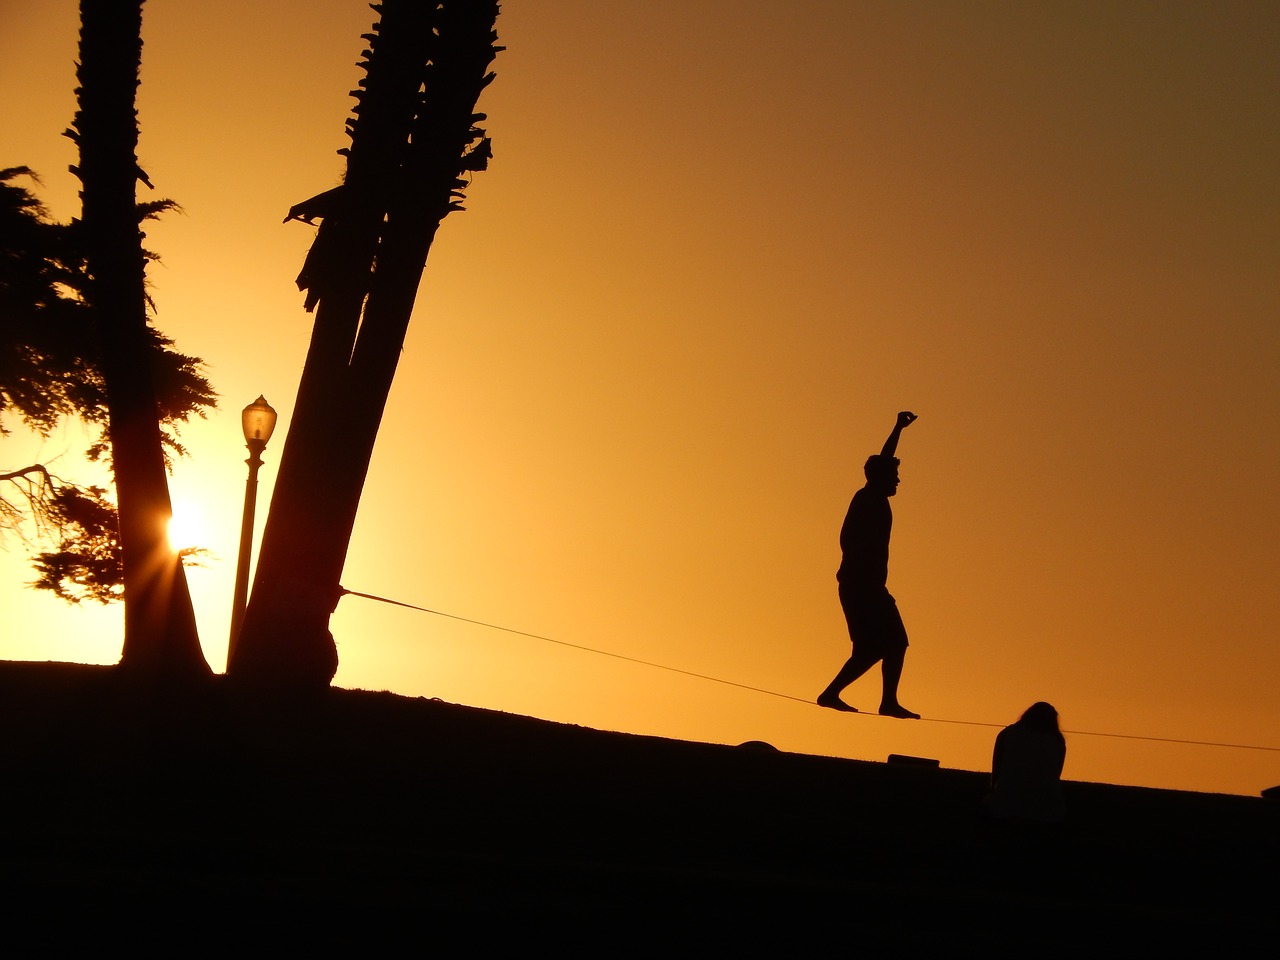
[{"x": 186, "y": 528}]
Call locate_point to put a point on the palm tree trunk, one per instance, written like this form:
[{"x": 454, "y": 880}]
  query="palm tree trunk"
[
  {"x": 160, "y": 629},
  {"x": 412, "y": 138}
]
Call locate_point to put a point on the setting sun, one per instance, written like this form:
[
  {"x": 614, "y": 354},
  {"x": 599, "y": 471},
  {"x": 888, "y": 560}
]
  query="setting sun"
[{"x": 187, "y": 529}]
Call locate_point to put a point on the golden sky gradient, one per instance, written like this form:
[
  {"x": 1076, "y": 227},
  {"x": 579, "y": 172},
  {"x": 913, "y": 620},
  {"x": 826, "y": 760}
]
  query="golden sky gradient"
[{"x": 720, "y": 246}]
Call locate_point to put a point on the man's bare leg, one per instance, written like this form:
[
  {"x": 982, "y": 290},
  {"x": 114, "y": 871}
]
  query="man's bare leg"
[
  {"x": 891, "y": 673},
  {"x": 853, "y": 668}
]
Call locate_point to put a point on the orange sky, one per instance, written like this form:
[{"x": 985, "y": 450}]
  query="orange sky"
[{"x": 720, "y": 246}]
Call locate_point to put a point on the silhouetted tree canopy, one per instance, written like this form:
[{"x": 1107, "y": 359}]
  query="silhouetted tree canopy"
[
  {"x": 48, "y": 356},
  {"x": 49, "y": 372},
  {"x": 86, "y": 563}
]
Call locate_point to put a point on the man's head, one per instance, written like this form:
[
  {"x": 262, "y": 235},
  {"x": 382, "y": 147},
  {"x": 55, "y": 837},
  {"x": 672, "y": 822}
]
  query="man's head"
[{"x": 882, "y": 474}]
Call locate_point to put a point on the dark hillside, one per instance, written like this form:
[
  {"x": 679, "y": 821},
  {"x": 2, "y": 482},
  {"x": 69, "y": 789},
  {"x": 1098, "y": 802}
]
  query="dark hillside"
[{"x": 358, "y": 818}]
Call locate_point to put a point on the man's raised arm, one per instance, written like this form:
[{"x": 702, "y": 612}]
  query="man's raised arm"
[{"x": 905, "y": 418}]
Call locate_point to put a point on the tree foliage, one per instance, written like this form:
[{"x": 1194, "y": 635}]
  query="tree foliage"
[
  {"x": 80, "y": 521},
  {"x": 49, "y": 368},
  {"x": 49, "y": 373},
  {"x": 86, "y": 562}
]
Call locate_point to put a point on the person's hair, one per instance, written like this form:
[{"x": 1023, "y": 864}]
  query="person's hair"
[
  {"x": 878, "y": 465},
  {"x": 1041, "y": 716}
]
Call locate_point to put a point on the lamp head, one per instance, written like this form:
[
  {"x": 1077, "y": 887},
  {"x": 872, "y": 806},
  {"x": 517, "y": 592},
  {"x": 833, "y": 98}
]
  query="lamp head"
[{"x": 258, "y": 421}]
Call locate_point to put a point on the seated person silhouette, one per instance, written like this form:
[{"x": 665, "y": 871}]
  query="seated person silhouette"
[
  {"x": 1026, "y": 768},
  {"x": 875, "y": 626}
]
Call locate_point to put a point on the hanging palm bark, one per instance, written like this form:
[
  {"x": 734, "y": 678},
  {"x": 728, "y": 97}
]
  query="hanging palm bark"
[
  {"x": 413, "y": 141},
  {"x": 160, "y": 628}
]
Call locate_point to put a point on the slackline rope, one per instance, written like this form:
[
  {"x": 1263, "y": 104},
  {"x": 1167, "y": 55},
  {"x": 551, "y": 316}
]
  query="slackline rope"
[
  {"x": 576, "y": 646},
  {"x": 774, "y": 693}
]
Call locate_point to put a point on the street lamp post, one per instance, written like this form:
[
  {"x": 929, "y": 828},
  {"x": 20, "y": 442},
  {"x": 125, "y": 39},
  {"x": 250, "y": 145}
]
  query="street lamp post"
[{"x": 258, "y": 421}]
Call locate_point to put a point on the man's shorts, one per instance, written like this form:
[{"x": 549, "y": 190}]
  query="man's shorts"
[{"x": 875, "y": 626}]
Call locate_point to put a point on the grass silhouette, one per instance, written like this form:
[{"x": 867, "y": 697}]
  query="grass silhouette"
[{"x": 361, "y": 819}]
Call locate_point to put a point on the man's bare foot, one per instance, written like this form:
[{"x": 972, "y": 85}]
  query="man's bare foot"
[
  {"x": 831, "y": 701},
  {"x": 897, "y": 710}
]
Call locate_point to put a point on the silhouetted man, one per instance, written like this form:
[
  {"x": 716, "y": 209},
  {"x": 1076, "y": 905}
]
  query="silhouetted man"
[{"x": 875, "y": 626}]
